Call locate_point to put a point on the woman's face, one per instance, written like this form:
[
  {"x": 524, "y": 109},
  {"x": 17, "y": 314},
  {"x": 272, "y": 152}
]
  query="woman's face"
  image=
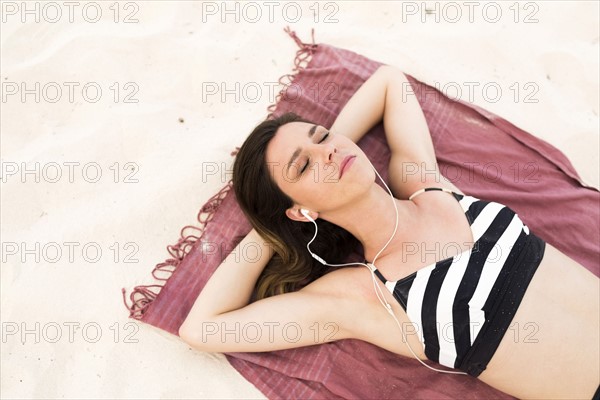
[{"x": 306, "y": 162}]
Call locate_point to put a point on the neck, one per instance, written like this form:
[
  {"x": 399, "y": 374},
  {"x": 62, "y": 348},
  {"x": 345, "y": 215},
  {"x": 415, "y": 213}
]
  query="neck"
[{"x": 372, "y": 220}]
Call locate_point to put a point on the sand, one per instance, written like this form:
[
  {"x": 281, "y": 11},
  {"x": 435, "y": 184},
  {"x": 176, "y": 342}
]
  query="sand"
[{"x": 96, "y": 184}]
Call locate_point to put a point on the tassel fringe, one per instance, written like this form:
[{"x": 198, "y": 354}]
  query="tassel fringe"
[
  {"x": 178, "y": 252},
  {"x": 303, "y": 56}
]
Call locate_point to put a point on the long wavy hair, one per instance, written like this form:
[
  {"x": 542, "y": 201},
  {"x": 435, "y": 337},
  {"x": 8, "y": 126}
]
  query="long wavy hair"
[{"x": 264, "y": 204}]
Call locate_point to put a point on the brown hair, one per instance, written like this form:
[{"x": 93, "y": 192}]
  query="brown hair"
[{"x": 264, "y": 204}]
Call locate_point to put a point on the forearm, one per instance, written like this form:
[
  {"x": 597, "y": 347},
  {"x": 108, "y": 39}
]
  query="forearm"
[
  {"x": 231, "y": 285},
  {"x": 413, "y": 162},
  {"x": 387, "y": 95},
  {"x": 364, "y": 109},
  {"x": 404, "y": 123}
]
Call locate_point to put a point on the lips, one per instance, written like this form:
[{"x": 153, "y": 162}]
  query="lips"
[{"x": 343, "y": 165}]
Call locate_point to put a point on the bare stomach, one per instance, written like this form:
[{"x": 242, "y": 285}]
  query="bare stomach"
[{"x": 552, "y": 348}]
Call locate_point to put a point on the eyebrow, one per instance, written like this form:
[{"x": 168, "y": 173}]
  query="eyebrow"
[{"x": 296, "y": 153}]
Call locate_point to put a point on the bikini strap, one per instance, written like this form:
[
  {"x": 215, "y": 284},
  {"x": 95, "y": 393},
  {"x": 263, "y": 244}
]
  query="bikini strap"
[
  {"x": 418, "y": 192},
  {"x": 377, "y": 272}
]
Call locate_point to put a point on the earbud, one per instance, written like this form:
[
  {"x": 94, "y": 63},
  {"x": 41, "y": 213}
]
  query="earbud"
[
  {"x": 306, "y": 214},
  {"x": 316, "y": 257}
]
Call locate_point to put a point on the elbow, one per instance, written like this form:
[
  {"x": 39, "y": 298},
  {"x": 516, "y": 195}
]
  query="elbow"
[
  {"x": 391, "y": 72},
  {"x": 387, "y": 69},
  {"x": 189, "y": 336},
  {"x": 185, "y": 334},
  {"x": 197, "y": 338}
]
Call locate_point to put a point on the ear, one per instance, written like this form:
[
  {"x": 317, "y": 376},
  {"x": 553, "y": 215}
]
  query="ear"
[{"x": 294, "y": 214}]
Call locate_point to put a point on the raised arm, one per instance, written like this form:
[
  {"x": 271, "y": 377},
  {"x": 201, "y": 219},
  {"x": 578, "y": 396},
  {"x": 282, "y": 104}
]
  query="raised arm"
[
  {"x": 221, "y": 320},
  {"x": 388, "y": 95},
  {"x": 365, "y": 108},
  {"x": 230, "y": 287}
]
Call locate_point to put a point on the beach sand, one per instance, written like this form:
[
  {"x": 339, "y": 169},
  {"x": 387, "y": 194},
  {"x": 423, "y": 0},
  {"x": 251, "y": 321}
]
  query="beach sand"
[{"x": 111, "y": 130}]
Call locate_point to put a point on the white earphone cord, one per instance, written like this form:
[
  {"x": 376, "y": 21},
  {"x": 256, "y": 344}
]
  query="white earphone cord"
[{"x": 376, "y": 287}]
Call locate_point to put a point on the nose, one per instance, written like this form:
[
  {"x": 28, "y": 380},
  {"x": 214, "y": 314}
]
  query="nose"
[
  {"x": 329, "y": 151},
  {"x": 324, "y": 153}
]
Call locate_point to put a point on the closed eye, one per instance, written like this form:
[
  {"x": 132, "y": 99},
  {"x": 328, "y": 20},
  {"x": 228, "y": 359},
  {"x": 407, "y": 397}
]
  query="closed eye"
[{"x": 308, "y": 161}]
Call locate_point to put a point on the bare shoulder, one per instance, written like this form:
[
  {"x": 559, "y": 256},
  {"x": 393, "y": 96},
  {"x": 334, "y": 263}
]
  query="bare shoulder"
[{"x": 361, "y": 312}]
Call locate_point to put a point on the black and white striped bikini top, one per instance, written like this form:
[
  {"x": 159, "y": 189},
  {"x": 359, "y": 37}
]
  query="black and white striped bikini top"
[{"x": 445, "y": 300}]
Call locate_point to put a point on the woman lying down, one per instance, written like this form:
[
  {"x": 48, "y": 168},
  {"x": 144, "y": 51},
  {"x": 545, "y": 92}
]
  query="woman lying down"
[{"x": 295, "y": 180}]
